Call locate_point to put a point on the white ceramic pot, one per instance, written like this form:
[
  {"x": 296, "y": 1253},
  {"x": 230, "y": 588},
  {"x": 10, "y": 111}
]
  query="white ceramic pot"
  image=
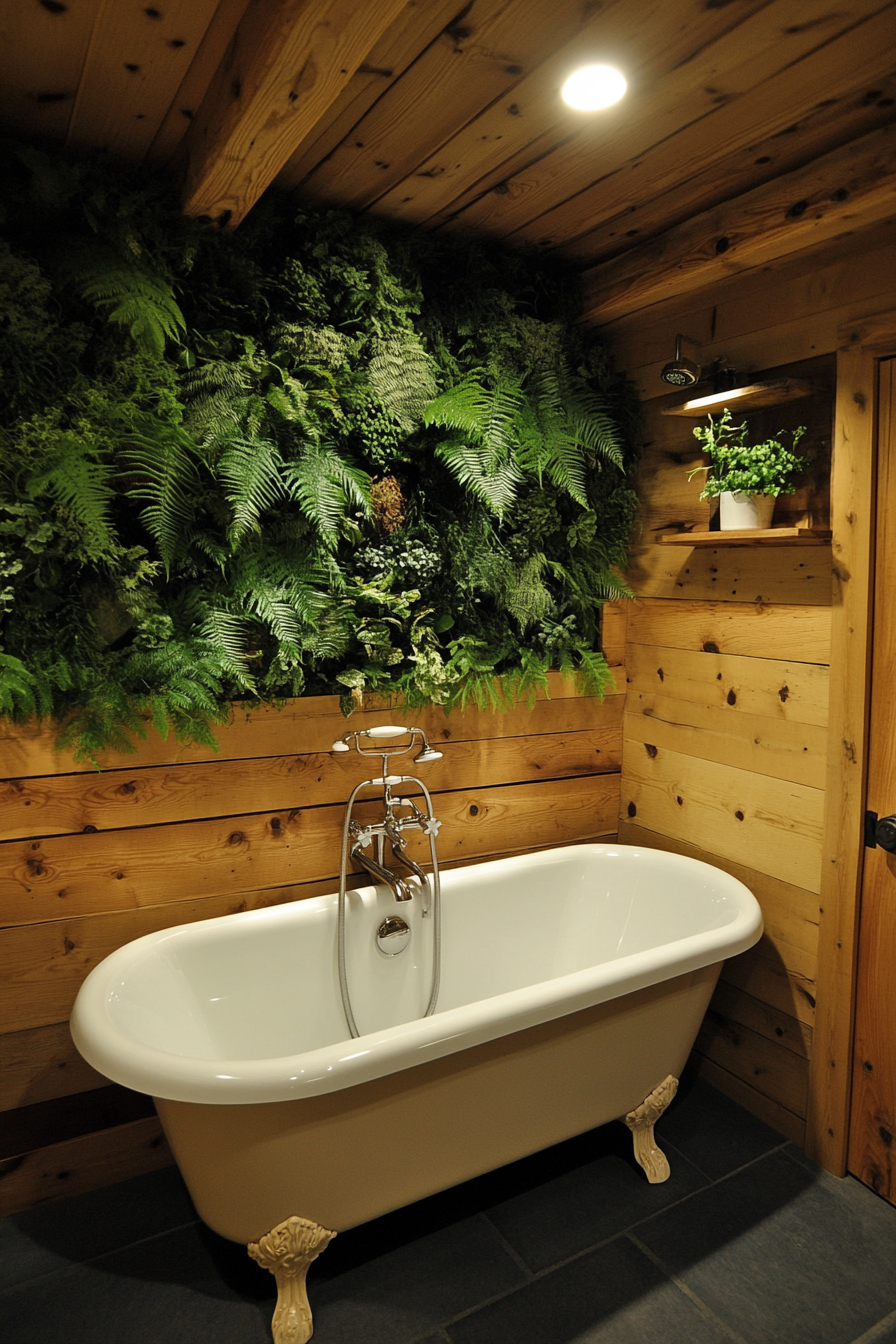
[{"x": 745, "y": 511}]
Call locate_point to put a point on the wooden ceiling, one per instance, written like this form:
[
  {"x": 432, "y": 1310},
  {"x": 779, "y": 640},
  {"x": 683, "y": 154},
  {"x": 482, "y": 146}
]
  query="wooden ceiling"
[{"x": 752, "y": 128}]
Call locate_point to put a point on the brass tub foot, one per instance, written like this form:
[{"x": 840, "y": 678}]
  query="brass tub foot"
[
  {"x": 641, "y": 1122},
  {"x": 287, "y": 1251}
]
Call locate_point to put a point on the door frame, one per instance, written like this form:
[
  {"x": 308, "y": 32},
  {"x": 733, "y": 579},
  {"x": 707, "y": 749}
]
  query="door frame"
[{"x": 853, "y": 503}]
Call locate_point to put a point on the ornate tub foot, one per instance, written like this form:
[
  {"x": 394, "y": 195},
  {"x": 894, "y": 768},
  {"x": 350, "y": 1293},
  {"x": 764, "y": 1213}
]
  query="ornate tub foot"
[
  {"x": 641, "y": 1122},
  {"x": 287, "y": 1251}
]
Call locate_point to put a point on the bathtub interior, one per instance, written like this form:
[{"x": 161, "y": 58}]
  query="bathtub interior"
[{"x": 513, "y": 923}]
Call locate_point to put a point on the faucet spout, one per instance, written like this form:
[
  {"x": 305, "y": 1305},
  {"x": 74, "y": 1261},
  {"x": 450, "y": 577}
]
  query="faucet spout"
[
  {"x": 400, "y": 854},
  {"x": 400, "y": 889}
]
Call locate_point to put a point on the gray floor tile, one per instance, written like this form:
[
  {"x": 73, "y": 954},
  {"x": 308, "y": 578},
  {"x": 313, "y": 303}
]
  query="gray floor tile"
[
  {"x": 589, "y": 1204},
  {"x": 781, "y": 1251},
  {"x": 49, "y": 1238},
  {"x": 882, "y": 1333},
  {"x": 614, "y": 1295},
  {"x": 398, "y": 1296},
  {"x": 168, "y": 1288},
  {"x": 712, "y": 1131}
]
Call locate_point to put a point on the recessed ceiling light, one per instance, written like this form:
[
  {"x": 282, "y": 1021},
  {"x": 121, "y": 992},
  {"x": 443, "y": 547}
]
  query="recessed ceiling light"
[{"x": 593, "y": 87}]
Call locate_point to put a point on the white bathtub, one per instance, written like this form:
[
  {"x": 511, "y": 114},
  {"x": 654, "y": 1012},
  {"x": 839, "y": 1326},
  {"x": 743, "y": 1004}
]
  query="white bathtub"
[{"x": 573, "y": 983}]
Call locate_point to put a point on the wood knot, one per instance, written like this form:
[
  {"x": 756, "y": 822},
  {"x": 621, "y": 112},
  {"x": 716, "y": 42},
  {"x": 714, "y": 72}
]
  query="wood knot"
[
  {"x": 651, "y": 750},
  {"x": 710, "y": 646},
  {"x": 235, "y": 838},
  {"x": 731, "y": 698},
  {"x": 632, "y": 810}
]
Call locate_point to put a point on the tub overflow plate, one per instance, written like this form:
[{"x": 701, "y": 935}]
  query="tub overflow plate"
[{"x": 393, "y": 935}]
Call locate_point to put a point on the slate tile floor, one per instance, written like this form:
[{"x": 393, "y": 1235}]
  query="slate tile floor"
[{"x": 747, "y": 1243}]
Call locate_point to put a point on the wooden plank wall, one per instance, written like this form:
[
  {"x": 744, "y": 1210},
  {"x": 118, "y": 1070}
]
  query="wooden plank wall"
[
  {"x": 90, "y": 860},
  {"x": 726, "y": 719}
]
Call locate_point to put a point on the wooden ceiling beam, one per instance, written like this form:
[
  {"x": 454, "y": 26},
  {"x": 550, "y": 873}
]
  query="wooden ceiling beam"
[
  {"x": 286, "y": 66},
  {"x": 850, "y": 188}
]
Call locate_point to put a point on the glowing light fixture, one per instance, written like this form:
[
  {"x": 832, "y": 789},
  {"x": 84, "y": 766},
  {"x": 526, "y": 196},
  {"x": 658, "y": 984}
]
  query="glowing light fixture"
[{"x": 593, "y": 87}]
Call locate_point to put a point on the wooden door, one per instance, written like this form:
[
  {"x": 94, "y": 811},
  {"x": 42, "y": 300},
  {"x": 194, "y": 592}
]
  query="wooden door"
[{"x": 872, "y": 1142}]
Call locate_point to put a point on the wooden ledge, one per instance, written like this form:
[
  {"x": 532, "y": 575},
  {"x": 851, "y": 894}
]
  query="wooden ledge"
[
  {"x": 751, "y": 397},
  {"x": 766, "y": 536}
]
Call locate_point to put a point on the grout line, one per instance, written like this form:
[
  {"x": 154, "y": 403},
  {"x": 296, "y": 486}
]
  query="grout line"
[
  {"x": 536, "y": 1275},
  {"x": 689, "y": 1293},
  {"x": 880, "y": 1331},
  {"x": 69, "y": 1265},
  {"x": 514, "y": 1255}
]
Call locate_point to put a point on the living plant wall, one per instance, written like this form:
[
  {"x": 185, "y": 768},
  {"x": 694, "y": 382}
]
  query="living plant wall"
[{"x": 314, "y": 455}]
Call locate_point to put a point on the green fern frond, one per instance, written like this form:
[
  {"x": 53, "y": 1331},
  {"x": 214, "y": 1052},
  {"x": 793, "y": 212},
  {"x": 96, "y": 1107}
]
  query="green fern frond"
[
  {"x": 168, "y": 460},
  {"x": 18, "y": 688},
  {"x": 401, "y": 373},
  {"x": 128, "y": 293},
  {"x": 80, "y": 485},
  {"x": 229, "y": 636},
  {"x": 251, "y": 472},
  {"x": 592, "y": 673},
  {"x": 487, "y": 416},
  {"x": 327, "y": 486},
  {"x": 494, "y": 482},
  {"x": 526, "y": 596}
]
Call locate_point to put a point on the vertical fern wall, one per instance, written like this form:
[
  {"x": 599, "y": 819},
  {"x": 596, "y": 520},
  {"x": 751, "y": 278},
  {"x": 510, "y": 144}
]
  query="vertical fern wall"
[{"x": 309, "y": 457}]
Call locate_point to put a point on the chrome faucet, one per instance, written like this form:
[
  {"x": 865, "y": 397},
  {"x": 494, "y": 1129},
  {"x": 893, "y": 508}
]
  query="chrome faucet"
[
  {"x": 400, "y": 814},
  {"x": 392, "y": 825}
]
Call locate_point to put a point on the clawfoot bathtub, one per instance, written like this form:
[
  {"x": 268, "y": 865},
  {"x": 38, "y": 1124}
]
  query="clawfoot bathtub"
[{"x": 573, "y": 984}]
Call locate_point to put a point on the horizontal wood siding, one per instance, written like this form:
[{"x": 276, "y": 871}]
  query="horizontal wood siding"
[
  {"x": 726, "y": 741},
  {"x": 90, "y": 860}
]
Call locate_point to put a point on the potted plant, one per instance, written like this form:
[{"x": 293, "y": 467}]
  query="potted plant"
[{"x": 747, "y": 476}]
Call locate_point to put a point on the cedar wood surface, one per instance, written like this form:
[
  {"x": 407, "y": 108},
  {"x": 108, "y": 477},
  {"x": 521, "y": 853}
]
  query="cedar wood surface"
[{"x": 727, "y": 728}]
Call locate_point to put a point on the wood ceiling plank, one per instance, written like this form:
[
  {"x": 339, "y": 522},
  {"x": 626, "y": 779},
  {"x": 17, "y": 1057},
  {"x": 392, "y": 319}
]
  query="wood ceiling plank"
[
  {"x": 755, "y": 82},
  {"x": 417, "y": 26},
  {"x": 465, "y": 70},
  {"x": 42, "y": 53},
  {"x": 137, "y": 60},
  {"x": 642, "y": 38},
  {"x": 824, "y": 128},
  {"x": 189, "y": 96},
  {"x": 752, "y": 305},
  {"x": 854, "y": 184},
  {"x": 287, "y": 65}
]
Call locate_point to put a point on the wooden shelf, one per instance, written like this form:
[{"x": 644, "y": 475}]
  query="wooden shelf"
[
  {"x": 769, "y": 536},
  {"x": 753, "y": 396}
]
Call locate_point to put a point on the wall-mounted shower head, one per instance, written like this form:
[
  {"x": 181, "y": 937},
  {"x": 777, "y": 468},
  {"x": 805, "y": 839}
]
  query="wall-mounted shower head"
[{"x": 682, "y": 372}]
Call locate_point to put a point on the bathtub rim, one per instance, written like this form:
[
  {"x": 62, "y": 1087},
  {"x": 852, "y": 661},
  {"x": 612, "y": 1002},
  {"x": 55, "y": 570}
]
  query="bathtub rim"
[{"x": 331, "y": 1068}]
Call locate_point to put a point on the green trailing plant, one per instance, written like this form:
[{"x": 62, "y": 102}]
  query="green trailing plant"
[
  {"x": 318, "y": 455},
  {"x": 736, "y": 465}
]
